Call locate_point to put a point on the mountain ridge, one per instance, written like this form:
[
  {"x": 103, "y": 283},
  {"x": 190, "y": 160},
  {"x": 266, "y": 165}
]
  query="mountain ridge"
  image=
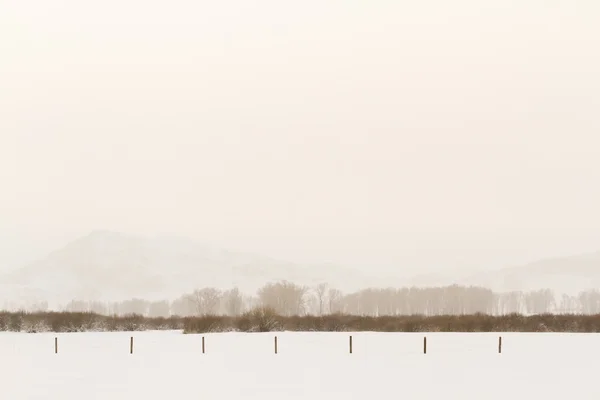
[{"x": 112, "y": 265}]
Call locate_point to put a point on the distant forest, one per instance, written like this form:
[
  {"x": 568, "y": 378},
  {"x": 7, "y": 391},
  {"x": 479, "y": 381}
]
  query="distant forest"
[{"x": 287, "y": 299}]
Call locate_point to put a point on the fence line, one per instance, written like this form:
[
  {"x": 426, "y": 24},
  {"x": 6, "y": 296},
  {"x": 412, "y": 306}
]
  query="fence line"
[
  {"x": 350, "y": 344},
  {"x": 275, "y": 344}
]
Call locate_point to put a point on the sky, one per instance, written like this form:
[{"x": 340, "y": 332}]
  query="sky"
[{"x": 381, "y": 135}]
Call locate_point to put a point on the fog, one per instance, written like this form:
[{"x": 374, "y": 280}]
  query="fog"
[{"x": 383, "y": 136}]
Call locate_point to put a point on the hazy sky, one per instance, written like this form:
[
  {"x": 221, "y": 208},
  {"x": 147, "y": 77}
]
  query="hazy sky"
[{"x": 376, "y": 134}]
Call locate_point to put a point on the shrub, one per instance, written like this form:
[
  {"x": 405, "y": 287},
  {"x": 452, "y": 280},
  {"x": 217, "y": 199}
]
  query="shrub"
[
  {"x": 266, "y": 320},
  {"x": 263, "y": 319}
]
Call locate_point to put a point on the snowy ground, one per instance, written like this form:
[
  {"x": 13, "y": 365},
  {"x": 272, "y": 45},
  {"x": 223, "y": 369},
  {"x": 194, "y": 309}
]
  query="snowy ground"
[{"x": 170, "y": 365}]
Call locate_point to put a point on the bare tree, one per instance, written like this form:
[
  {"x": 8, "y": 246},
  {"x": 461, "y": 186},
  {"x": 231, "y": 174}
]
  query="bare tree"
[
  {"x": 134, "y": 306},
  {"x": 77, "y": 306},
  {"x": 288, "y": 299},
  {"x": 98, "y": 307},
  {"x": 321, "y": 291},
  {"x": 184, "y": 306},
  {"x": 590, "y": 301},
  {"x": 539, "y": 301},
  {"x": 335, "y": 301},
  {"x": 233, "y": 302},
  {"x": 159, "y": 309},
  {"x": 311, "y": 303},
  {"x": 284, "y": 297},
  {"x": 206, "y": 301}
]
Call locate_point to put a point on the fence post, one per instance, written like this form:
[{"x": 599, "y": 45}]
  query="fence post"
[
  {"x": 275, "y": 344},
  {"x": 350, "y": 344},
  {"x": 55, "y": 345},
  {"x": 500, "y": 345},
  {"x": 425, "y": 345},
  {"x": 202, "y": 344},
  {"x": 131, "y": 345}
]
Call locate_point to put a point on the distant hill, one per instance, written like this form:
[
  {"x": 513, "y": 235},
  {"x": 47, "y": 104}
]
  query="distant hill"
[
  {"x": 568, "y": 275},
  {"x": 114, "y": 266}
]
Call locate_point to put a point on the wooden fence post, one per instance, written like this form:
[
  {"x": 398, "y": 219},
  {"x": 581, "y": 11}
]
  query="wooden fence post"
[
  {"x": 55, "y": 345},
  {"x": 500, "y": 345},
  {"x": 131, "y": 345},
  {"x": 425, "y": 345},
  {"x": 275, "y": 344},
  {"x": 350, "y": 344},
  {"x": 202, "y": 344}
]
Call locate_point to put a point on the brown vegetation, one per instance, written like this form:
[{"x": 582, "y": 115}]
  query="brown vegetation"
[
  {"x": 266, "y": 320},
  {"x": 82, "y": 322},
  {"x": 256, "y": 322}
]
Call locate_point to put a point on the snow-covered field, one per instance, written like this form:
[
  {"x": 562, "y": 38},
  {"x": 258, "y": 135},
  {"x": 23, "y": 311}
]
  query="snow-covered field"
[{"x": 170, "y": 365}]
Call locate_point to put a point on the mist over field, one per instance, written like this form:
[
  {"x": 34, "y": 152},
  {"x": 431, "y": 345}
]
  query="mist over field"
[
  {"x": 319, "y": 199},
  {"x": 112, "y": 273},
  {"x": 151, "y": 150}
]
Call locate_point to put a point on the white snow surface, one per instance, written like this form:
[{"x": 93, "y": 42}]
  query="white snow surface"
[{"x": 170, "y": 365}]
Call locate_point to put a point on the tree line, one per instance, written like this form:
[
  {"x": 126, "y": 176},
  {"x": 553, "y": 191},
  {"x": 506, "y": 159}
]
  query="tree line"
[{"x": 287, "y": 299}]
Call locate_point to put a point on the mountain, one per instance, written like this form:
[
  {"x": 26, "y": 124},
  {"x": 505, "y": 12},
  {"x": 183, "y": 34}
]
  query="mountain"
[
  {"x": 568, "y": 275},
  {"x": 433, "y": 279},
  {"x": 112, "y": 266}
]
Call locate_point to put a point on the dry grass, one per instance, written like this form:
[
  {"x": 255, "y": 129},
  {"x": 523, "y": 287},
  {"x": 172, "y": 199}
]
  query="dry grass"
[
  {"x": 266, "y": 320},
  {"x": 82, "y": 322},
  {"x": 259, "y": 322}
]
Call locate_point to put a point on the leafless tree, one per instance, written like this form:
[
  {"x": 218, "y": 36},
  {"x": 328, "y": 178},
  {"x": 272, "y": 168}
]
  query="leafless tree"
[
  {"x": 206, "y": 301},
  {"x": 321, "y": 292},
  {"x": 233, "y": 302},
  {"x": 590, "y": 301},
  {"x": 335, "y": 298},
  {"x": 184, "y": 306},
  {"x": 77, "y": 306},
  {"x": 159, "y": 309},
  {"x": 287, "y": 299},
  {"x": 284, "y": 297}
]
